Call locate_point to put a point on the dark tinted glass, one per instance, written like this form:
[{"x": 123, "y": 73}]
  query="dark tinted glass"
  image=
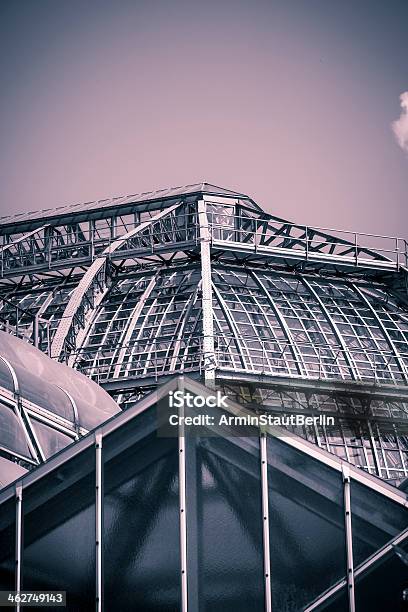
[
  {"x": 224, "y": 520},
  {"x": 375, "y": 520},
  {"x": 306, "y": 519},
  {"x": 141, "y": 518},
  {"x": 7, "y": 544},
  {"x": 381, "y": 588},
  {"x": 59, "y": 532}
]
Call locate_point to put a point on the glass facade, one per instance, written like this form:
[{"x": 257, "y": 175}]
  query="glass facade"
[
  {"x": 140, "y": 491},
  {"x": 330, "y": 529},
  {"x": 306, "y": 523}
]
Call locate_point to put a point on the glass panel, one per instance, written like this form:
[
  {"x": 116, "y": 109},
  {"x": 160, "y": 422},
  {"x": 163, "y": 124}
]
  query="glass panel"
[
  {"x": 50, "y": 439},
  {"x": 7, "y": 544},
  {"x": 225, "y": 523},
  {"x": 141, "y": 518},
  {"x": 6, "y": 379},
  {"x": 375, "y": 520},
  {"x": 12, "y": 437},
  {"x": 381, "y": 587},
  {"x": 44, "y": 394},
  {"x": 59, "y": 532},
  {"x": 339, "y": 602},
  {"x": 306, "y": 518},
  {"x": 90, "y": 416},
  {"x": 9, "y": 472}
]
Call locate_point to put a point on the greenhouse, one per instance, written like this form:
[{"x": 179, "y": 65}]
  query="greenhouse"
[
  {"x": 106, "y": 308},
  {"x": 204, "y": 521}
]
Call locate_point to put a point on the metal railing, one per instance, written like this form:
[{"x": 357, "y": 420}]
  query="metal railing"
[
  {"x": 22, "y": 323},
  {"x": 47, "y": 249},
  {"x": 311, "y": 242}
]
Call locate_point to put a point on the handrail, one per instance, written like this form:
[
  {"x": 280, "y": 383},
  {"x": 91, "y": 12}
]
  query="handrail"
[{"x": 230, "y": 228}]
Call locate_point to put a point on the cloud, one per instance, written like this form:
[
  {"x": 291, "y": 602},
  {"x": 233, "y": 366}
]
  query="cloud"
[{"x": 400, "y": 126}]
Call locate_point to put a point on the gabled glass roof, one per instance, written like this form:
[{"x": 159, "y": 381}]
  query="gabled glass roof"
[{"x": 224, "y": 512}]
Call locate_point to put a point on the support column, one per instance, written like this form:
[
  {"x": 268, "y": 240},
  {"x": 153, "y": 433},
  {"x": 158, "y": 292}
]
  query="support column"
[
  {"x": 208, "y": 317},
  {"x": 36, "y": 331},
  {"x": 349, "y": 536},
  {"x": 98, "y": 522},
  {"x": 265, "y": 523},
  {"x": 182, "y": 509},
  {"x": 19, "y": 538}
]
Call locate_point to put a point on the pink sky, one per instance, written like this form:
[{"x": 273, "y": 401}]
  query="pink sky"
[{"x": 290, "y": 104}]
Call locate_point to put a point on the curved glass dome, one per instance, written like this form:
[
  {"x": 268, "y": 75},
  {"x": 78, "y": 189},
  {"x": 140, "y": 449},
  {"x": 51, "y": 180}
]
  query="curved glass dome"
[
  {"x": 44, "y": 405},
  {"x": 200, "y": 280},
  {"x": 284, "y": 324}
]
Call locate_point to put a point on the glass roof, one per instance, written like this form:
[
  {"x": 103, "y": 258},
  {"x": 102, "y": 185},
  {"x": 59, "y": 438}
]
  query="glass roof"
[
  {"x": 44, "y": 406},
  {"x": 9, "y": 472},
  {"x": 53, "y": 386},
  {"x": 300, "y": 502},
  {"x": 284, "y": 324}
]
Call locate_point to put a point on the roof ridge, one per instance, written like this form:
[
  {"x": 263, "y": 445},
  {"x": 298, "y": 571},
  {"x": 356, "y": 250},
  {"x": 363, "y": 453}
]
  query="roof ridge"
[{"x": 117, "y": 200}]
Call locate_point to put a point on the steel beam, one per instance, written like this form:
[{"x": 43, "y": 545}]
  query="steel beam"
[
  {"x": 207, "y": 305},
  {"x": 349, "y": 537},
  {"x": 265, "y": 522},
  {"x": 370, "y": 389},
  {"x": 87, "y": 280},
  {"x": 19, "y": 538},
  {"x": 182, "y": 508},
  {"x": 98, "y": 523}
]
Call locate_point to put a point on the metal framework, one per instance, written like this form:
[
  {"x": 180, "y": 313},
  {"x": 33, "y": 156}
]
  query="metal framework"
[
  {"x": 393, "y": 500},
  {"x": 44, "y": 406},
  {"x": 200, "y": 280}
]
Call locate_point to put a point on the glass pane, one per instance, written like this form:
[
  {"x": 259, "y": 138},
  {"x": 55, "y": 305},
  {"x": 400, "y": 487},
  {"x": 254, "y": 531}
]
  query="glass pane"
[
  {"x": 51, "y": 440},
  {"x": 6, "y": 380},
  {"x": 381, "y": 588},
  {"x": 7, "y": 544},
  {"x": 375, "y": 520},
  {"x": 224, "y": 523},
  {"x": 9, "y": 472},
  {"x": 90, "y": 416},
  {"x": 339, "y": 602},
  {"x": 12, "y": 436},
  {"x": 44, "y": 394},
  {"x": 307, "y": 540},
  {"x": 141, "y": 518},
  {"x": 59, "y": 532}
]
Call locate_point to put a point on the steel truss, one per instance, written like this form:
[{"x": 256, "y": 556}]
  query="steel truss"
[{"x": 201, "y": 280}]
